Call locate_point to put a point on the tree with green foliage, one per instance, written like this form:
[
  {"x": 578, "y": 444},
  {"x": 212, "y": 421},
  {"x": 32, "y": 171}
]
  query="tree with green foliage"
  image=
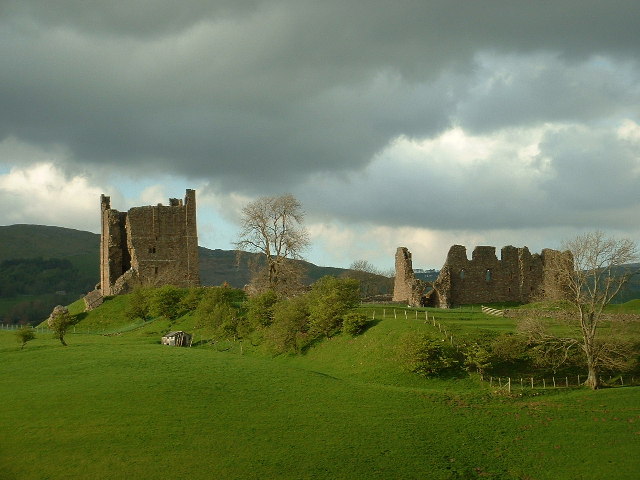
[
  {"x": 165, "y": 301},
  {"x": 329, "y": 300},
  {"x": 24, "y": 335},
  {"x": 192, "y": 298},
  {"x": 139, "y": 305},
  {"x": 218, "y": 310},
  {"x": 354, "y": 323},
  {"x": 476, "y": 357},
  {"x": 260, "y": 308},
  {"x": 430, "y": 357},
  {"x": 59, "y": 322},
  {"x": 289, "y": 332},
  {"x": 589, "y": 275}
]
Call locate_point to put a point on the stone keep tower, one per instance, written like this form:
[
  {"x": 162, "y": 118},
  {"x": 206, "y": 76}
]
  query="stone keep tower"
[{"x": 150, "y": 245}]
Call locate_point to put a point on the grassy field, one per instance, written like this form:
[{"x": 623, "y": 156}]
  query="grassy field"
[{"x": 123, "y": 406}]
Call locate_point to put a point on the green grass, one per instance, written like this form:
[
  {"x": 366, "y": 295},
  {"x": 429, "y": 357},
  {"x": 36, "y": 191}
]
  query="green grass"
[{"x": 126, "y": 407}]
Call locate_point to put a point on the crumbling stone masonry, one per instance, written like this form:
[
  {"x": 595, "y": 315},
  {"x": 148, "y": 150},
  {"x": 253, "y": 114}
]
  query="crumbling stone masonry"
[
  {"x": 150, "y": 245},
  {"x": 518, "y": 276},
  {"x": 407, "y": 288}
]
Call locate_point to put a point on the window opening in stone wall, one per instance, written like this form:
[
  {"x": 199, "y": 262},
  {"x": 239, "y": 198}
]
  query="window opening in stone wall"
[
  {"x": 487, "y": 275},
  {"x": 152, "y": 249},
  {"x": 462, "y": 274},
  {"x": 155, "y": 270}
]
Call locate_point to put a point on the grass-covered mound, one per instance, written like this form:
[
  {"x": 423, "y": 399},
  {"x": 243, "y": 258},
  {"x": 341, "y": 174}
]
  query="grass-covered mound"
[{"x": 120, "y": 407}]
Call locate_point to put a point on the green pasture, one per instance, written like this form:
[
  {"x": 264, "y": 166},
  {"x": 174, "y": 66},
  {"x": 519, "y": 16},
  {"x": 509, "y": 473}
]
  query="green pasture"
[{"x": 124, "y": 406}]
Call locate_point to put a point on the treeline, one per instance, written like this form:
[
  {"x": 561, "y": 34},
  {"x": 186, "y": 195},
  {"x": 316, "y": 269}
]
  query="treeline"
[
  {"x": 282, "y": 325},
  {"x": 507, "y": 354},
  {"x": 35, "y": 276}
]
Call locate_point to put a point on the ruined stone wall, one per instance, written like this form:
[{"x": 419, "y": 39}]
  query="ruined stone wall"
[
  {"x": 406, "y": 288},
  {"x": 150, "y": 245},
  {"x": 518, "y": 276}
]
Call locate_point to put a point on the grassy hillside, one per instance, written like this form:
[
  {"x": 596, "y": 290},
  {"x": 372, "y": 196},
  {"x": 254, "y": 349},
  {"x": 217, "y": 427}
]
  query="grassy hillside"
[
  {"x": 124, "y": 406},
  {"x": 31, "y": 241}
]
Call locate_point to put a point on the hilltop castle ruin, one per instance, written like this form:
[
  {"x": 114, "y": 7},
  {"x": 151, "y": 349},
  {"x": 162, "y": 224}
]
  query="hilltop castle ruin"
[
  {"x": 150, "y": 245},
  {"x": 518, "y": 276}
]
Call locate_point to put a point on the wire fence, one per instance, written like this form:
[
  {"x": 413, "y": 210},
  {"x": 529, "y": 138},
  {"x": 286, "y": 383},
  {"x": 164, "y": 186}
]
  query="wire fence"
[
  {"x": 509, "y": 384},
  {"x": 76, "y": 329}
]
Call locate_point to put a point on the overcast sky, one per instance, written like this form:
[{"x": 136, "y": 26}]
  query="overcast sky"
[{"x": 408, "y": 123}]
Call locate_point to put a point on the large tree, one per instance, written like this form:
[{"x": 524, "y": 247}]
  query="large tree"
[
  {"x": 589, "y": 275},
  {"x": 274, "y": 227}
]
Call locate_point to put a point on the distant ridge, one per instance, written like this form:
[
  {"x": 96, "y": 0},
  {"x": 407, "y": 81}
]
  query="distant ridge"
[
  {"x": 32, "y": 241},
  {"x": 82, "y": 248}
]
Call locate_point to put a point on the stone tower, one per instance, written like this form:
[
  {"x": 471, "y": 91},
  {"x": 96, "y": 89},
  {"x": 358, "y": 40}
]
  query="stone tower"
[
  {"x": 406, "y": 287},
  {"x": 150, "y": 245}
]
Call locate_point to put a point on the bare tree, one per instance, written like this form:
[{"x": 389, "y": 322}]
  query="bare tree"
[
  {"x": 370, "y": 278},
  {"x": 589, "y": 275},
  {"x": 364, "y": 266},
  {"x": 273, "y": 226}
]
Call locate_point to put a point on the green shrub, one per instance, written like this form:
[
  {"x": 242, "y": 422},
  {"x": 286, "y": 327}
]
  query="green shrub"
[
  {"x": 260, "y": 308},
  {"x": 430, "y": 357},
  {"x": 477, "y": 357},
  {"x": 192, "y": 299},
  {"x": 329, "y": 300},
  {"x": 24, "y": 335},
  {"x": 354, "y": 323},
  {"x": 165, "y": 301},
  {"x": 139, "y": 305},
  {"x": 510, "y": 353},
  {"x": 289, "y": 331}
]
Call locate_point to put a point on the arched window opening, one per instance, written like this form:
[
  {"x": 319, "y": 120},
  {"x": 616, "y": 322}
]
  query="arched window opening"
[
  {"x": 462, "y": 274},
  {"x": 487, "y": 275}
]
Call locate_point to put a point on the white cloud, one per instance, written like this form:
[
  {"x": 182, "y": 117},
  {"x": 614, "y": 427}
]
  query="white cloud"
[{"x": 42, "y": 194}]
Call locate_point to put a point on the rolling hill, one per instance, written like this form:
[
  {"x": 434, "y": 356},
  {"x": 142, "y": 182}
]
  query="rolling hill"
[{"x": 81, "y": 249}]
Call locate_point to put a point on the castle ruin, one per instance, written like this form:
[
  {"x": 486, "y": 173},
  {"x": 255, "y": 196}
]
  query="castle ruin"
[
  {"x": 406, "y": 287},
  {"x": 518, "y": 276},
  {"x": 149, "y": 245}
]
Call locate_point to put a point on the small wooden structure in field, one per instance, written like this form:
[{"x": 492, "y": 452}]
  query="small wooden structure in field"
[{"x": 177, "y": 339}]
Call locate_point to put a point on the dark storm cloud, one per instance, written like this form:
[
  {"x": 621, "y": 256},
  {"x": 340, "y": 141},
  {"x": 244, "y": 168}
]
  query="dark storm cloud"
[{"x": 241, "y": 92}]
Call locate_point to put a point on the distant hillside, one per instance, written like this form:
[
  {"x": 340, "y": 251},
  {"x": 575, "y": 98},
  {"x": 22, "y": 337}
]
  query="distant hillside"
[
  {"x": 32, "y": 241},
  {"x": 218, "y": 266},
  {"x": 82, "y": 250}
]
